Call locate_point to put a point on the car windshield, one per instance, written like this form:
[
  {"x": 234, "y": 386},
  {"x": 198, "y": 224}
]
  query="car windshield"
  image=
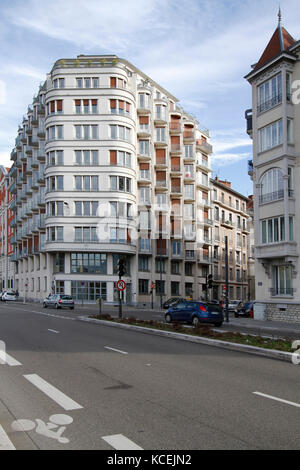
[
  {"x": 248, "y": 305},
  {"x": 66, "y": 297}
]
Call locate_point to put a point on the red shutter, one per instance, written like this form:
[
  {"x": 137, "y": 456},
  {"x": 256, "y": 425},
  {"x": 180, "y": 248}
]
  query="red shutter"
[
  {"x": 128, "y": 107},
  {"x": 113, "y": 104},
  {"x": 121, "y": 104},
  {"x": 120, "y": 83},
  {"x": 77, "y": 102},
  {"x": 113, "y": 82},
  {"x": 161, "y": 176},
  {"x": 94, "y": 102},
  {"x": 113, "y": 157},
  {"x": 52, "y": 106},
  {"x": 59, "y": 105},
  {"x": 85, "y": 102}
]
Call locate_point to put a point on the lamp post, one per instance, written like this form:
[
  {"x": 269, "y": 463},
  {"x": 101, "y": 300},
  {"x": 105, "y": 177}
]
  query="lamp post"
[{"x": 226, "y": 280}]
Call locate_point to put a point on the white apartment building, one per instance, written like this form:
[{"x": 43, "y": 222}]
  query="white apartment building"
[
  {"x": 273, "y": 124},
  {"x": 107, "y": 164}
]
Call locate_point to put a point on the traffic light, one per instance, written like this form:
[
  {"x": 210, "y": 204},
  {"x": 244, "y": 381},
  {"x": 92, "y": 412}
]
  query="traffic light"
[
  {"x": 204, "y": 287},
  {"x": 210, "y": 281},
  {"x": 121, "y": 267}
]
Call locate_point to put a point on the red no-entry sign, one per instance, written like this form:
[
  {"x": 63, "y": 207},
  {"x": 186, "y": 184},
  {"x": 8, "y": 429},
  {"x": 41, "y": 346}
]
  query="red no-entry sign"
[{"x": 121, "y": 285}]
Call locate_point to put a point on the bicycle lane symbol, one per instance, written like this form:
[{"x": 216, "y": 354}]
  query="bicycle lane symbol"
[{"x": 53, "y": 429}]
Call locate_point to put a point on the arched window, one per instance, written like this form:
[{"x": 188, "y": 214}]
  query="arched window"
[{"x": 271, "y": 186}]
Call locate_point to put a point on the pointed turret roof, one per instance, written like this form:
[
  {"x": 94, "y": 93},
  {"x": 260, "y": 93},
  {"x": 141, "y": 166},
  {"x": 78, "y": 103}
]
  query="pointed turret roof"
[{"x": 280, "y": 42}]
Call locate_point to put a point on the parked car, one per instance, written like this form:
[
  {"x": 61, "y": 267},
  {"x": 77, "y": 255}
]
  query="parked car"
[
  {"x": 245, "y": 310},
  {"x": 2, "y": 293},
  {"x": 8, "y": 296},
  {"x": 59, "y": 301},
  {"x": 171, "y": 302},
  {"x": 233, "y": 305},
  {"x": 195, "y": 313}
]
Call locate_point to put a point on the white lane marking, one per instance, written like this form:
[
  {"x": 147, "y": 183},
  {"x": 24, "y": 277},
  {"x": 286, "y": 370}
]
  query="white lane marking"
[
  {"x": 53, "y": 331},
  {"x": 9, "y": 360},
  {"x": 59, "y": 397},
  {"x": 5, "y": 442},
  {"x": 120, "y": 442},
  {"x": 277, "y": 399},
  {"x": 116, "y": 350}
]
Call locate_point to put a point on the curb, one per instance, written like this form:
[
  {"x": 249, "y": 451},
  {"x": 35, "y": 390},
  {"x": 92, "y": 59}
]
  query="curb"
[{"x": 270, "y": 353}]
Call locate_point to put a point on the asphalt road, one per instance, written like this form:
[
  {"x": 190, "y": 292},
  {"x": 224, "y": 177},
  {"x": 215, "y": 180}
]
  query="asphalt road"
[{"x": 122, "y": 389}]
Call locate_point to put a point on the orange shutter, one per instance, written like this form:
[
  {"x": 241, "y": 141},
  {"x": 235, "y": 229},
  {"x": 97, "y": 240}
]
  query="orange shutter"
[
  {"x": 175, "y": 139},
  {"x": 77, "y": 102},
  {"x": 85, "y": 102},
  {"x": 121, "y": 104},
  {"x": 144, "y": 166},
  {"x": 128, "y": 107},
  {"x": 113, "y": 157},
  {"x": 161, "y": 176},
  {"x": 94, "y": 102},
  {"x": 113, "y": 82},
  {"x": 120, "y": 83},
  {"x": 59, "y": 105},
  {"x": 52, "y": 106},
  {"x": 144, "y": 119},
  {"x": 113, "y": 104},
  {"x": 205, "y": 213}
]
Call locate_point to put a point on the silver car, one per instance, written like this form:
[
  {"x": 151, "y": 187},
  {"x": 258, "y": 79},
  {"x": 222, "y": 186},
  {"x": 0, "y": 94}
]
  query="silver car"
[
  {"x": 9, "y": 296},
  {"x": 59, "y": 301}
]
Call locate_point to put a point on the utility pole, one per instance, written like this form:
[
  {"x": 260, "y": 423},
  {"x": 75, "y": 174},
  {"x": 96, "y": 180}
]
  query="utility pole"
[
  {"x": 121, "y": 272},
  {"x": 226, "y": 279}
]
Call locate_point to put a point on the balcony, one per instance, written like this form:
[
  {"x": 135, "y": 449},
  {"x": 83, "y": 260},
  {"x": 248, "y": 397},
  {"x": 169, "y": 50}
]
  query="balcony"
[
  {"x": 175, "y": 169},
  {"x": 203, "y": 146},
  {"x": 205, "y": 259},
  {"x": 175, "y": 128},
  {"x": 250, "y": 168},
  {"x": 161, "y": 162},
  {"x": 161, "y": 185},
  {"x": 188, "y": 135},
  {"x": 286, "y": 250},
  {"x": 248, "y": 117},
  {"x": 227, "y": 223},
  {"x": 176, "y": 191},
  {"x": 13, "y": 155},
  {"x": 144, "y": 130},
  {"x": 175, "y": 149},
  {"x": 144, "y": 177},
  {"x": 160, "y": 118}
]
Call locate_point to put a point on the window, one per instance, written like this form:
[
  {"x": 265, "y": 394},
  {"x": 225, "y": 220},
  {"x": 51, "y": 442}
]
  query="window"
[
  {"x": 120, "y": 107},
  {"x": 86, "y": 183},
  {"x": 55, "y": 158},
  {"x": 144, "y": 147},
  {"x": 143, "y": 286},
  {"x": 144, "y": 100},
  {"x": 55, "y": 183},
  {"x": 59, "y": 83},
  {"x": 89, "y": 263},
  {"x": 160, "y": 265},
  {"x": 120, "y": 183},
  {"x": 188, "y": 269},
  {"x": 145, "y": 195},
  {"x": 86, "y": 234},
  {"x": 175, "y": 288},
  {"x": 271, "y": 186},
  {"x": 89, "y": 290},
  {"x": 55, "y": 133},
  {"x": 86, "y": 106},
  {"x": 160, "y": 112},
  {"x": 160, "y": 134},
  {"x": 143, "y": 263},
  {"x": 189, "y": 191},
  {"x": 86, "y": 132},
  {"x": 188, "y": 151},
  {"x": 175, "y": 267},
  {"x": 270, "y": 93},
  {"x": 120, "y": 158},
  {"x": 290, "y": 124},
  {"x": 176, "y": 248},
  {"x": 87, "y": 82},
  {"x": 86, "y": 208},
  {"x": 160, "y": 287},
  {"x": 86, "y": 157},
  {"x": 55, "y": 107},
  {"x": 282, "y": 281},
  {"x": 59, "y": 263},
  {"x": 270, "y": 136},
  {"x": 120, "y": 133},
  {"x": 273, "y": 230},
  {"x": 55, "y": 234}
]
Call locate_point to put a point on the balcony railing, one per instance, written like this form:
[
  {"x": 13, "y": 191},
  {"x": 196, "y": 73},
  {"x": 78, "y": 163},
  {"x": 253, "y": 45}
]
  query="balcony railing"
[
  {"x": 269, "y": 197},
  {"x": 266, "y": 105},
  {"x": 280, "y": 291}
]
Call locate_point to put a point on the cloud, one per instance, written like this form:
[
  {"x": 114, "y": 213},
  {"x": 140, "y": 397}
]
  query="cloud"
[
  {"x": 224, "y": 159},
  {"x": 23, "y": 70},
  {"x": 2, "y": 92}
]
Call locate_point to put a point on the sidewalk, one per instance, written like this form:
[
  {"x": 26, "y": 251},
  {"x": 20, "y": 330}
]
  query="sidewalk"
[{"x": 264, "y": 327}]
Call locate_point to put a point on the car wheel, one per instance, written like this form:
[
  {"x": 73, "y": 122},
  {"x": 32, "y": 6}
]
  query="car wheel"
[
  {"x": 168, "y": 318},
  {"x": 44, "y": 305},
  {"x": 71, "y": 308},
  {"x": 56, "y": 306},
  {"x": 220, "y": 323},
  {"x": 236, "y": 315},
  {"x": 196, "y": 321}
]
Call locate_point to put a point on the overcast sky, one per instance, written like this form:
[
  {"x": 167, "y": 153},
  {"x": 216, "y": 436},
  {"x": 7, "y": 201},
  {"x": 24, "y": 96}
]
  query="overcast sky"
[{"x": 199, "y": 50}]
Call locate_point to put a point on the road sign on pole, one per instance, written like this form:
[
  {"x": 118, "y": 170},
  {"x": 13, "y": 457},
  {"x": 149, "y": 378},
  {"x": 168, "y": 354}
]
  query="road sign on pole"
[{"x": 121, "y": 285}]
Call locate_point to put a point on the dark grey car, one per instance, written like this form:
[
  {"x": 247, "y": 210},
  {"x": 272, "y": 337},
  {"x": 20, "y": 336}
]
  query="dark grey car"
[{"x": 59, "y": 301}]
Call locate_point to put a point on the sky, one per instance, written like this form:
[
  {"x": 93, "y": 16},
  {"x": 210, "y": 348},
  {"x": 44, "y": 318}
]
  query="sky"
[{"x": 198, "y": 50}]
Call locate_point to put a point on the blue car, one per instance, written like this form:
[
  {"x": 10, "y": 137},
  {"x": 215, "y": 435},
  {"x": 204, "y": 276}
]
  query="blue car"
[{"x": 195, "y": 313}]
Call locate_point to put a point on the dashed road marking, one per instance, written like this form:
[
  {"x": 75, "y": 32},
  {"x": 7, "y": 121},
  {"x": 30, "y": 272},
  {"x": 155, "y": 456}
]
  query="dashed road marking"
[
  {"x": 56, "y": 395},
  {"x": 120, "y": 442},
  {"x": 116, "y": 350},
  {"x": 5, "y": 442},
  {"x": 53, "y": 331},
  {"x": 277, "y": 399}
]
